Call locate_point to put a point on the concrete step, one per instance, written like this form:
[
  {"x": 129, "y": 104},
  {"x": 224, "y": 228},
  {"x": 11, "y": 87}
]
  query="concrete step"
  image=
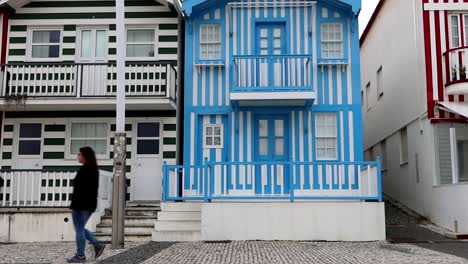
[
  {"x": 107, "y": 229},
  {"x": 137, "y": 211},
  {"x": 129, "y": 220},
  {"x": 177, "y": 225},
  {"x": 176, "y": 236},
  {"x": 181, "y": 207},
  {"x": 179, "y": 216},
  {"x": 134, "y": 237}
]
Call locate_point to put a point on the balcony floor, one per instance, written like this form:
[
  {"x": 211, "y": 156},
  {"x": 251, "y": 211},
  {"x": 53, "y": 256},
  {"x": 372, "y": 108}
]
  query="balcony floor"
[{"x": 273, "y": 98}]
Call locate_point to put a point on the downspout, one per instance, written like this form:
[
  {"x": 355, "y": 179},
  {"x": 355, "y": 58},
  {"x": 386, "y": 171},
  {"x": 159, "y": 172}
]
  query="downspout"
[{"x": 180, "y": 95}]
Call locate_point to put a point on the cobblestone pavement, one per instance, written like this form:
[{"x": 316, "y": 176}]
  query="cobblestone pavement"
[{"x": 237, "y": 253}]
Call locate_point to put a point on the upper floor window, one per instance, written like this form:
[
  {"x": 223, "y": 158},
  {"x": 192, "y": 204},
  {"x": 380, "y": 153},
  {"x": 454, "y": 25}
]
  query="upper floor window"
[
  {"x": 332, "y": 40},
  {"x": 210, "y": 42},
  {"x": 45, "y": 44},
  {"x": 455, "y": 31},
  {"x": 92, "y": 44},
  {"x": 141, "y": 43},
  {"x": 93, "y": 135},
  {"x": 380, "y": 88},
  {"x": 326, "y": 136}
]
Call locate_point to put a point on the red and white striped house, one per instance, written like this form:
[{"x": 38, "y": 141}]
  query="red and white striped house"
[{"x": 414, "y": 60}]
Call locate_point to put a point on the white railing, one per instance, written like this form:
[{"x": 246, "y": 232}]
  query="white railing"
[
  {"x": 456, "y": 62},
  {"x": 272, "y": 73},
  {"x": 145, "y": 79},
  {"x": 28, "y": 188},
  {"x": 274, "y": 180}
]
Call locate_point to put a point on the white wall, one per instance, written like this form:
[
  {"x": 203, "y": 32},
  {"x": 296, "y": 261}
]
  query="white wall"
[
  {"x": 330, "y": 221},
  {"x": 395, "y": 43}
]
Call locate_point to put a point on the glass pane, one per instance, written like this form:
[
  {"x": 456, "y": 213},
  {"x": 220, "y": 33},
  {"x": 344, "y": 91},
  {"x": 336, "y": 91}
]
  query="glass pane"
[
  {"x": 140, "y": 50},
  {"x": 217, "y": 131},
  {"x": 263, "y": 32},
  {"x": 89, "y": 130},
  {"x": 86, "y": 44},
  {"x": 45, "y": 51},
  {"x": 30, "y": 130},
  {"x": 46, "y": 36},
  {"x": 140, "y": 35},
  {"x": 29, "y": 147},
  {"x": 209, "y": 131},
  {"x": 263, "y": 128},
  {"x": 101, "y": 42},
  {"x": 279, "y": 147},
  {"x": 277, "y": 32},
  {"x": 148, "y": 147},
  {"x": 263, "y": 43},
  {"x": 99, "y": 145},
  {"x": 263, "y": 146},
  {"x": 217, "y": 141},
  {"x": 209, "y": 141},
  {"x": 148, "y": 129},
  {"x": 279, "y": 128}
]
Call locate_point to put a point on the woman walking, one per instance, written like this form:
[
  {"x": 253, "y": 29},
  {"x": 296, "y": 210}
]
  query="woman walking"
[{"x": 84, "y": 203}]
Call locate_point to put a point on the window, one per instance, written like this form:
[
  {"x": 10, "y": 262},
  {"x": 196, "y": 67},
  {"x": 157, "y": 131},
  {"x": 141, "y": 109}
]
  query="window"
[
  {"x": 462, "y": 153},
  {"x": 455, "y": 31},
  {"x": 93, "y": 135},
  {"x": 213, "y": 136},
  {"x": 93, "y": 44},
  {"x": 45, "y": 44},
  {"x": 383, "y": 146},
  {"x": 148, "y": 138},
  {"x": 403, "y": 146},
  {"x": 380, "y": 89},
  {"x": 30, "y": 139},
  {"x": 367, "y": 101},
  {"x": 326, "y": 136},
  {"x": 210, "y": 42},
  {"x": 332, "y": 40},
  {"x": 371, "y": 154},
  {"x": 466, "y": 28},
  {"x": 141, "y": 43}
]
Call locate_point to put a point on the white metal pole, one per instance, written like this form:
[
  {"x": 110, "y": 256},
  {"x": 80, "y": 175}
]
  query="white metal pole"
[
  {"x": 119, "y": 184},
  {"x": 454, "y": 154}
]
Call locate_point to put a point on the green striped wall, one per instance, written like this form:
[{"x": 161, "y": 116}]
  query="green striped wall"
[
  {"x": 69, "y": 14},
  {"x": 55, "y": 141}
]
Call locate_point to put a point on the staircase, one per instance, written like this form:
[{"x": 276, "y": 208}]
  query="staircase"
[
  {"x": 178, "y": 222},
  {"x": 139, "y": 222}
]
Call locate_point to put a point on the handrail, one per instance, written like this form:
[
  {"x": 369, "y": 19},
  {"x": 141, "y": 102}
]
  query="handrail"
[
  {"x": 454, "y": 49},
  {"x": 86, "y": 63},
  {"x": 272, "y": 56}
]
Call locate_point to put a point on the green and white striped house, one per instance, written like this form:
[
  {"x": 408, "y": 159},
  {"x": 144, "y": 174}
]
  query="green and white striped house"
[{"x": 58, "y": 84}]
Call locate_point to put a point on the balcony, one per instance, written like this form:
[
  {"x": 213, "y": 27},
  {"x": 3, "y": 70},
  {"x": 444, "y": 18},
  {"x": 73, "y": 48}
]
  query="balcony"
[
  {"x": 456, "y": 62},
  {"x": 261, "y": 80},
  {"x": 72, "y": 86}
]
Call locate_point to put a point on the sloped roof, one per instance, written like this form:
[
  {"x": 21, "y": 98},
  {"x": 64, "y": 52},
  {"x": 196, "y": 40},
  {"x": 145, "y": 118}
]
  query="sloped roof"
[
  {"x": 15, "y": 4},
  {"x": 188, "y": 5}
]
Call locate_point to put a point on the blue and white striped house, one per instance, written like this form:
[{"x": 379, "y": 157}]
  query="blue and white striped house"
[{"x": 272, "y": 112}]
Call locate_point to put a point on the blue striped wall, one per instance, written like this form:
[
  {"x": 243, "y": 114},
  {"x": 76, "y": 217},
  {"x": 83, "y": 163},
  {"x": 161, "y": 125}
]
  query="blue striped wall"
[{"x": 336, "y": 86}]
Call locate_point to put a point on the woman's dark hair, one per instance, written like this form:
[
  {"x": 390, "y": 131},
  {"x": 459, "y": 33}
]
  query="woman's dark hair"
[{"x": 90, "y": 157}]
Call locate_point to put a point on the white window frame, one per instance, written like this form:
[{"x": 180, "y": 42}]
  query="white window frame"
[
  {"x": 17, "y": 127},
  {"x": 30, "y": 43},
  {"x": 334, "y": 41},
  {"x": 160, "y": 138},
  {"x": 156, "y": 41},
  {"x": 379, "y": 83},
  {"x": 93, "y": 29},
  {"x": 451, "y": 31},
  {"x": 213, "y": 136},
  {"x": 214, "y": 42},
  {"x": 317, "y": 137},
  {"x": 70, "y": 155},
  {"x": 404, "y": 148}
]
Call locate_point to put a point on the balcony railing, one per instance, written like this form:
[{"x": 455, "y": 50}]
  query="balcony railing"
[
  {"x": 143, "y": 79},
  {"x": 36, "y": 188},
  {"x": 455, "y": 66},
  {"x": 272, "y": 73},
  {"x": 288, "y": 180}
]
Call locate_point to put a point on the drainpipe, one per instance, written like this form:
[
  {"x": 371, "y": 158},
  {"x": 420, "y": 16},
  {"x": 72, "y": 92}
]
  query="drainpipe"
[{"x": 180, "y": 95}]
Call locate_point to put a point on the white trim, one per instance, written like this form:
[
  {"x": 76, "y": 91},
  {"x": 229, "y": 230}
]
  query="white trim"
[
  {"x": 454, "y": 155},
  {"x": 213, "y": 136},
  {"x": 30, "y": 31},
  {"x": 94, "y": 30},
  {"x": 446, "y": 6},
  {"x": 135, "y": 138},
  {"x": 156, "y": 41},
  {"x": 16, "y": 138},
  {"x": 68, "y": 130},
  {"x": 273, "y": 96},
  {"x": 451, "y": 31},
  {"x": 335, "y": 136}
]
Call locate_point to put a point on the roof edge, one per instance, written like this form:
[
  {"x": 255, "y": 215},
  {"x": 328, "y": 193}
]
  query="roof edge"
[{"x": 371, "y": 22}]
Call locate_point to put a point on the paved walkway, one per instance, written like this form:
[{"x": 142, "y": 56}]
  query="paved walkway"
[{"x": 237, "y": 253}]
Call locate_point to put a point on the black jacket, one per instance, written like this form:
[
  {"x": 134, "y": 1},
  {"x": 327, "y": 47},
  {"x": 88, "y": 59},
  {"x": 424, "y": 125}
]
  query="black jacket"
[{"x": 85, "y": 190}]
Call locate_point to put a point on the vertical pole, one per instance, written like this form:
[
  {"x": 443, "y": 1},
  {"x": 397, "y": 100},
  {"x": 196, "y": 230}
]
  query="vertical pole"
[
  {"x": 119, "y": 183},
  {"x": 379, "y": 179},
  {"x": 454, "y": 154}
]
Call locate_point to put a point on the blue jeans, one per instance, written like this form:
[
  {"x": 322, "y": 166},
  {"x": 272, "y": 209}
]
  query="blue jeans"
[{"x": 80, "y": 218}]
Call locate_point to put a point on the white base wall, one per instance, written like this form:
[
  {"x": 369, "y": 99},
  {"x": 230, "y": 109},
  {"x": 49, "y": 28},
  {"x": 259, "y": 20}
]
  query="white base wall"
[
  {"x": 330, "y": 221},
  {"x": 39, "y": 225}
]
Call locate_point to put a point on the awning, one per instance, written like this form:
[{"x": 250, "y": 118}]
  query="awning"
[{"x": 460, "y": 108}]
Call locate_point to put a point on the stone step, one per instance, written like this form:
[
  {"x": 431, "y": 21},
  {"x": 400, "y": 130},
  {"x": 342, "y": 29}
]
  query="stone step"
[
  {"x": 179, "y": 216},
  {"x": 177, "y": 225},
  {"x": 136, "y": 220},
  {"x": 107, "y": 229},
  {"x": 176, "y": 236},
  {"x": 181, "y": 207},
  {"x": 137, "y": 211}
]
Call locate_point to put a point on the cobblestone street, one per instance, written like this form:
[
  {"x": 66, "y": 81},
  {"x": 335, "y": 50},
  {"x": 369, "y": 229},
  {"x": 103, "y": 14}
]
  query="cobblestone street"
[{"x": 236, "y": 253}]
